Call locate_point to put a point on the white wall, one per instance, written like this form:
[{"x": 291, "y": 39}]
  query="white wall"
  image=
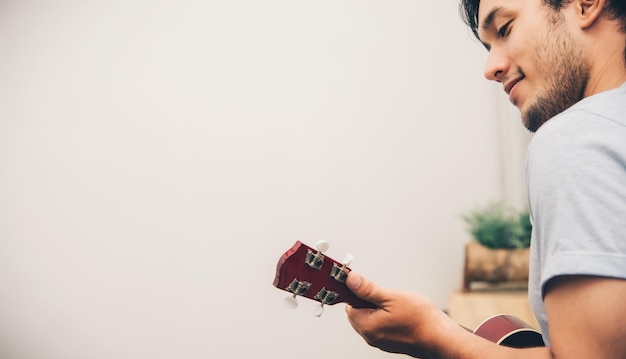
[
  {"x": 512, "y": 145},
  {"x": 157, "y": 157}
]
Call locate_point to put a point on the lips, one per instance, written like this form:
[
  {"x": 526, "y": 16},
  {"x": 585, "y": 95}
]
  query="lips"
[{"x": 508, "y": 86}]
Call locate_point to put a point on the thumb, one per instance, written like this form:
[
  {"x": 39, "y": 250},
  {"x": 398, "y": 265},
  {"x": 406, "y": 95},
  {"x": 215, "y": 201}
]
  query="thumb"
[{"x": 365, "y": 289}]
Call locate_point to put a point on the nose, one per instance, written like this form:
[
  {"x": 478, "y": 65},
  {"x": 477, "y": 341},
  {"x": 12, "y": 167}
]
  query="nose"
[{"x": 497, "y": 65}]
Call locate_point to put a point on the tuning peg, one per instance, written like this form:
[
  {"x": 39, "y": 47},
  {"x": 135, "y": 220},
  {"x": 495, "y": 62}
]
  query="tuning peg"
[
  {"x": 323, "y": 246},
  {"x": 318, "y": 310},
  {"x": 348, "y": 260},
  {"x": 316, "y": 260},
  {"x": 324, "y": 296},
  {"x": 297, "y": 288},
  {"x": 291, "y": 302},
  {"x": 340, "y": 273}
]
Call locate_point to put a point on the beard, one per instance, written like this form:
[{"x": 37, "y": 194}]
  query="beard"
[{"x": 563, "y": 66}]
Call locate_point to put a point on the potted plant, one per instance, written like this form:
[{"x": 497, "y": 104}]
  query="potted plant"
[{"x": 499, "y": 251}]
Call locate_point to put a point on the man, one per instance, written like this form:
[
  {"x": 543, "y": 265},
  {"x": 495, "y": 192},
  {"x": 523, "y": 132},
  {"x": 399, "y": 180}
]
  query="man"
[{"x": 563, "y": 64}]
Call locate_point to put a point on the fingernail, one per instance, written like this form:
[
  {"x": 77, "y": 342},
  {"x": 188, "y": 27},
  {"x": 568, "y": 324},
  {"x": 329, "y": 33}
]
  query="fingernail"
[{"x": 353, "y": 281}]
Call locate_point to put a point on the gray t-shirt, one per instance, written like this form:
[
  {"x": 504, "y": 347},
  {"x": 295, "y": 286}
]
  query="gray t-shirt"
[{"x": 576, "y": 178}]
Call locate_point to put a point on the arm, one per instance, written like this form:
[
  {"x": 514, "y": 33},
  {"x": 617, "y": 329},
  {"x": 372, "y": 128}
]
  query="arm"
[
  {"x": 587, "y": 316},
  {"x": 411, "y": 324}
]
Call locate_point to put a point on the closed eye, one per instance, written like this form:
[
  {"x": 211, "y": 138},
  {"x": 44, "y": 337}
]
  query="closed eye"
[{"x": 503, "y": 31}]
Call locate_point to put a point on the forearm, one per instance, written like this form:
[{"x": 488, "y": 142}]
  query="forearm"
[
  {"x": 462, "y": 344},
  {"x": 411, "y": 324}
]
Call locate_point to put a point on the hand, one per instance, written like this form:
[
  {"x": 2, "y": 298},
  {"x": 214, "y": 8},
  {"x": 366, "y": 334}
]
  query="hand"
[{"x": 403, "y": 323}]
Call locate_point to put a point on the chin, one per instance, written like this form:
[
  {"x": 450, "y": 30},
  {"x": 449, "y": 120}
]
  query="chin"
[{"x": 528, "y": 126}]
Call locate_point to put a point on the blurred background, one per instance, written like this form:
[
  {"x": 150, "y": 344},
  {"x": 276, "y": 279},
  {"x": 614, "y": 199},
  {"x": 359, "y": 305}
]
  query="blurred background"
[{"x": 157, "y": 158}]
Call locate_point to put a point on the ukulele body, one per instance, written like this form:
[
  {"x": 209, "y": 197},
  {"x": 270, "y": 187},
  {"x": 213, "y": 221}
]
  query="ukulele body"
[{"x": 509, "y": 331}]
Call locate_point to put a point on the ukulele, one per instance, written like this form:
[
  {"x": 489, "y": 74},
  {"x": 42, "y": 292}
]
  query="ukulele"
[
  {"x": 304, "y": 271},
  {"x": 307, "y": 272}
]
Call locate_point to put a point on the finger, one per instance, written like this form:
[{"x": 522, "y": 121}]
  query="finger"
[{"x": 366, "y": 289}]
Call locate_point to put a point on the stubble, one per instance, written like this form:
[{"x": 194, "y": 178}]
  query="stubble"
[{"x": 566, "y": 71}]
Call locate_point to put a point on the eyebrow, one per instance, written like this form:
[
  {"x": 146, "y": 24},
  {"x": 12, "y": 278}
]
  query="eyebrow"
[
  {"x": 490, "y": 17},
  {"x": 487, "y": 22}
]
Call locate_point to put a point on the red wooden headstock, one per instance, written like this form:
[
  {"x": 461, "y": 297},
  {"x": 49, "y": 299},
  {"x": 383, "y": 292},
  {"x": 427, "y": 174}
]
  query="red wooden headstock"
[{"x": 304, "y": 271}]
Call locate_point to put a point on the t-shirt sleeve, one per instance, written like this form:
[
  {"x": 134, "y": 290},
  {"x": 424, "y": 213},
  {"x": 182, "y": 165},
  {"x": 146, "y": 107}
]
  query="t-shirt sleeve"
[{"x": 577, "y": 196}]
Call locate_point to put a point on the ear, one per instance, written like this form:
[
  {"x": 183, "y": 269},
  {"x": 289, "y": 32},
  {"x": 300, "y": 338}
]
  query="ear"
[{"x": 589, "y": 11}]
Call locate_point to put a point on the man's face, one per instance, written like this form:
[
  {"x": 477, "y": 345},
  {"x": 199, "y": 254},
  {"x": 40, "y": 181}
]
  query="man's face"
[{"x": 535, "y": 57}]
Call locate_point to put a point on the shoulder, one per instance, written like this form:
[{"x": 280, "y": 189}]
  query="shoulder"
[
  {"x": 579, "y": 155},
  {"x": 601, "y": 114},
  {"x": 576, "y": 171},
  {"x": 583, "y": 139}
]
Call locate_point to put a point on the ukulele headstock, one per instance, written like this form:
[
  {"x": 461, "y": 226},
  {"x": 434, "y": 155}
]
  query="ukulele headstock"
[{"x": 307, "y": 272}]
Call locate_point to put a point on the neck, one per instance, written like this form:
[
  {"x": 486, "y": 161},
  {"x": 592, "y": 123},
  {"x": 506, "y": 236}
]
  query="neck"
[{"x": 608, "y": 62}]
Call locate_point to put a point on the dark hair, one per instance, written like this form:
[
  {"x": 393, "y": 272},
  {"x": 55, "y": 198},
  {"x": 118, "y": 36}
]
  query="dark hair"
[
  {"x": 469, "y": 11},
  {"x": 469, "y": 14}
]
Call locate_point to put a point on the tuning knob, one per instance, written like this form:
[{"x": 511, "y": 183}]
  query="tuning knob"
[
  {"x": 318, "y": 310},
  {"x": 290, "y": 302},
  {"x": 323, "y": 246},
  {"x": 348, "y": 260}
]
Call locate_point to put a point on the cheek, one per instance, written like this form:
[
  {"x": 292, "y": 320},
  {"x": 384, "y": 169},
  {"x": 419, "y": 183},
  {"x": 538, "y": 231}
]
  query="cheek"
[{"x": 531, "y": 53}]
